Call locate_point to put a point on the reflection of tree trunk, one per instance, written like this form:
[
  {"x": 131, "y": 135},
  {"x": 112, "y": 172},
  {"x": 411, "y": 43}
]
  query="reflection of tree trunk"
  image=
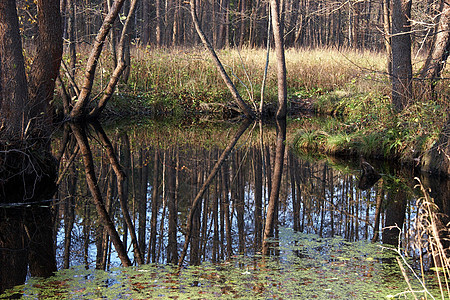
[
  {"x": 215, "y": 220},
  {"x": 86, "y": 234},
  {"x": 257, "y": 169},
  {"x": 237, "y": 194},
  {"x": 164, "y": 205},
  {"x": 379, "y": 198},
  {"x": 39, "y": 227},
  {"x": 437, "y": 161},
  {"x": 276, "y": 183},
  {"x": 439, "y": 190},
  {"x": 69, "y": 215},
  {"x": 154, "y": 219},
  {"x": 142, "y": 200},
  {"x": 331, "y": 188},
  {"x": 172, "y": 245},
  {"x": 26, "y": 238},
  {"x": 395, "y": 216},
  {"x": 13, "y": 252},
  {"x": 121, "y": 187},
  {"x": 206, "y": 184},
  {"x": 226, "y": 205},
  {"x": 91, "y": 179},
  {"x": 195, "y": 229},
  {"x": 222, "y": 206}
]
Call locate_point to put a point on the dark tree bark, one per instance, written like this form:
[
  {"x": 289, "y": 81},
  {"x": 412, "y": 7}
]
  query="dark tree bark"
[
  {"x": 172, "y": 245},
  {"x": 154, "y": 217},
  {"x": 13, "y": 83},
  {"x": 401, "y": 54},
  {"x": 45, "y": 67}
]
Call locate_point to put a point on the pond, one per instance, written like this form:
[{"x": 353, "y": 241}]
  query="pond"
[{"x": 329, "y": 238}]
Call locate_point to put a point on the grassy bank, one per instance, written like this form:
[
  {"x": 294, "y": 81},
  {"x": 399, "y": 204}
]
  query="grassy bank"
[
  {"x": 365, "y": 124},
  {"x": 186, "y": 79},
  {"x": 349, "y": 85}
]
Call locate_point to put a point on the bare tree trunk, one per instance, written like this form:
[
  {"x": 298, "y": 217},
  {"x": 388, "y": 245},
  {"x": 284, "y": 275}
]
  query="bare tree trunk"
[
  {"x": 158, "y": 23},
  {"x": 123, "y": 63},
  {"x": 401, "y": 54},
  {"x": 278, "y": 33},
  {"x": 440, "y": 49},
  {"x": 237, "y": 97},
  {"x": 79, "y": 108},
  {"x": 45, "y": 67},
  {"x": 387, "y": 33}
]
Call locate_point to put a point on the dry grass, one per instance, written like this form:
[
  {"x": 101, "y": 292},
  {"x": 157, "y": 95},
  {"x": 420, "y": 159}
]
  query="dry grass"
[{"x": 192, "y": 70}]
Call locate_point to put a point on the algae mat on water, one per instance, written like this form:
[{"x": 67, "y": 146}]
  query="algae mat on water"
[{"x": 307, "y": 267}]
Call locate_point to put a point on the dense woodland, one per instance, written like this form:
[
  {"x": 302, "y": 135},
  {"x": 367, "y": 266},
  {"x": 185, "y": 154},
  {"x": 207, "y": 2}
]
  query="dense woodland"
[
  {"x": 228, "y": 23},
  {"x": 49, "y": 44}
]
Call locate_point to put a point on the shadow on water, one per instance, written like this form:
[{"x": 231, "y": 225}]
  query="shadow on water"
[{"x": 161, "y": 193}]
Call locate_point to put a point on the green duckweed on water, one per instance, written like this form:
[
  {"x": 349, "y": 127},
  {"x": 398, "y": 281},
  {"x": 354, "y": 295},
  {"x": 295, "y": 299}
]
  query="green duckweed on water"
[{"x": 307, "y": 267}]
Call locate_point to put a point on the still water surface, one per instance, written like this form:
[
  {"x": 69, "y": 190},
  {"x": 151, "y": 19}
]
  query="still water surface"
[{"x": 166, "y": 165}]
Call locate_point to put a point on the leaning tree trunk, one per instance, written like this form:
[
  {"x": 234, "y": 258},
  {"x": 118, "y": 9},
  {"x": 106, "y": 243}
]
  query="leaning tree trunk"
[
  {"x": 439, "y": 51},
  {"x": 237, "y": 97},
  {"x": 401, "y": 54}
]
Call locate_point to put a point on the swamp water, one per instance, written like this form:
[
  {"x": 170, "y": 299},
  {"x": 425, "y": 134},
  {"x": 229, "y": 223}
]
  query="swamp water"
[{"x": 322, "y": 247}]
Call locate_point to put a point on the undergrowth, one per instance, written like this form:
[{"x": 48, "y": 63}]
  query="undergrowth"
[
  {"x": 182, "y": 79},
  {"x": 365, "y": 124}
]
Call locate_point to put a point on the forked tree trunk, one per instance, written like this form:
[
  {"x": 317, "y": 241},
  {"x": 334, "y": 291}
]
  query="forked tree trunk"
[{"x": 91, "y": 179}]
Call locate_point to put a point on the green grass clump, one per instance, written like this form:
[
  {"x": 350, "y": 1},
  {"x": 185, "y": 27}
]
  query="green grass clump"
[{"x": 366, "y": 124}]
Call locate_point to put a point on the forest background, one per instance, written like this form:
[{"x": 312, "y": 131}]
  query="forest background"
[{"x": 376, "y": 65}]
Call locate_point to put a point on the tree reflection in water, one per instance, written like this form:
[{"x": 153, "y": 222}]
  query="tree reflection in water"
[{"x": 165, "y": 167}]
